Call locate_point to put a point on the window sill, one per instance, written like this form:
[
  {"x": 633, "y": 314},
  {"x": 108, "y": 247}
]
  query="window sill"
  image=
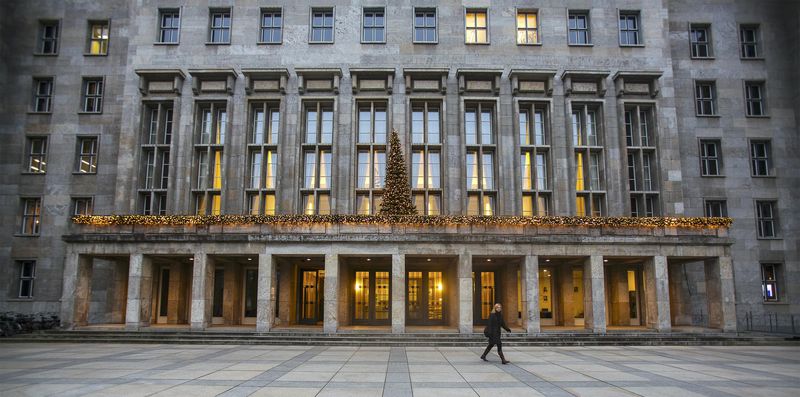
[
  {"x": 20, "y": 299},
  {"x": 26, "y": 235},
  {"x": 84, "y": 113},
  {"x": 320, "y": 42},
  {"x": 214, "y": 43},
  {"x": 33, "y": 173},
  {"x": 373, "y": 42},
  {"x": 529, "y": 44},
  {"x": 42, "y": 113},
  {"x": 764, "y": 116},
  {"x": 752, "y": 58},
  {"x": 83, "y": 173},
  {"x": 631, "y": 45},
  {"x": 580, "y": 45},
  {"x": 769, "y": 238},
  {"x": 487, "y": 43},
  {"x": 39, "y": 54},
  {"x": 712, "y": 176},
  {"x": 164, "y": 43},
  {"x": 425, "y": 42},
  {"x": 87, "y": 54},
  {"x": 269, "y": 42},
  {"x": 777, "y": 303},
  {"x": 703, "y": 58},
  {"x": 709, "y": 116},
  {"x": 764, "y": 176}
]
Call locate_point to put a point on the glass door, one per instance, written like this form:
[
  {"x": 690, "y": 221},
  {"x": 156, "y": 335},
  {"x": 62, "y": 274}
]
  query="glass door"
[
  {"x": 219, "y": 291},
  {"x": 546, "y": 306},
  {"x": 425, "y": 298},
  {"x": 250, "y": 292},
  {"x": 633, "y": 298},
  {"x": 372, "y": 297},
  {"x": 484, "y": 295},
  {"x": 163, "y": 296},
  {"x": 311, "y": 296}
]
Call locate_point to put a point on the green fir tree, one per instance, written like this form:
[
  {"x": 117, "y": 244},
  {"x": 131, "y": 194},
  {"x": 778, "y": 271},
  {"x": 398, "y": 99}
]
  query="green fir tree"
[{"x": 397, "y": 193}]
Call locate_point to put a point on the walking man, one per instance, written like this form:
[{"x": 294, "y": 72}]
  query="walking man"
[{"x": 492, "y": 332}]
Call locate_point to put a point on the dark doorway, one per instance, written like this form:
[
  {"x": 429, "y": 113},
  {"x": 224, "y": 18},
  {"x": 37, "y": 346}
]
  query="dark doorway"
[{"x": 311, "y": 297}]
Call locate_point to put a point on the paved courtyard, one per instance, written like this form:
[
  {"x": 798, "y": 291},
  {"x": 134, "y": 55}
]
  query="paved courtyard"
[{"x": 196, "y": 370}]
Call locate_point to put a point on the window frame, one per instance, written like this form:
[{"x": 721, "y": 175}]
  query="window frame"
[
  {"x": 761, "y": 219},
  {"x": 318, "y": 147},
  {"x": 23, "y": 278},
  {"x": 217, "y": 142},
  {"x": 718, "y": 158},
  {"x": 526, "y": 29},
  {"x": 757, "y": 44},
  {"x": 79, "y": 155},
  {"x": 36, "y": 217},
  {"x": 35, "y": 94},
  {"x": 762, "y": 101},
  {"x": 40, "y": 37},
  {"x": 85, "y": 81},
  {"x": 426, "y": 147},
  {"x": 273, "y": 11},
  {"x": 364, "y": 12},
  {"x": 480, "y": 150},
  {"x": 222, "y": 29},
  {"x": 266, "y": 147},
  {"x": 637, "y": 14},
  {"x": 776, "y": 281},
  {"x": 589, "y": 195},
  {"x": 74, "y": 202},
  {"x": 373, "y": 148},
  {"x": 723, "y": 207},
  {"x": 160, "y": 25},
  {"x": 311, "y": 26},
  {"x": 29, "y": 155},
  {"x": 588, "y": 30},
  {"x": 435, "y": 27},
  {"x": 90, "y": 40},
  {"x": 767, "y": 158},
  {"x": 533, "y": 149},
  {"x": 476, "y": 28},
  {"x": 712, "y": 100},
  {"x": 709, "y": 43}
]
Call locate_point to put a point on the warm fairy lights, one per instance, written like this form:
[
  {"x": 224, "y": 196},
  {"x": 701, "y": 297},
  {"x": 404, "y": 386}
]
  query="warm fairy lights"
[{"x": 420, "y": 220}]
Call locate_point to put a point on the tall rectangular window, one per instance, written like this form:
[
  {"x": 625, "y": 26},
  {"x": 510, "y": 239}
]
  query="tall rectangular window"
[
  {"x": 710, "y": 157},
  {"x": 82, "y": 206},
  {"x": 37, "y": 155},
  {"x": 629, "y": 30},
  {"x": 534, "y": 140},
  {"x": 760, "y": 161},
  {"x": 92, "y": 95},
  {"x": 27, "y": 274},
  {"x": 322, "y": 25},
  {"x": 374, "y": 26},
  {"x": 716, "y": 208},
  {"x": 754, "y": 97},
  {"x": 426, "y": 149},
  {"x": 700, "y": 40},
  {"x": 271, "y": 27},
  {"x": 31, "y": 213},
  {"x": 527, "y": 27},
  {"x": 705, "y": 97},
  {"x": 425, "y": 26},
  {"x": 42, "y": 94},
  {"x": 769, "y": 281},
  {"x": 477, "y": 31},
  {"x": 371, "y": 147},
  {"x": 480, "y": 146},
  {"x": 219, "y": 31},
  {"x": 262, "y": 148},
  {"x": 589, "y": 169},
  {"x": 97, "y": 40},
  {"x": 749, "y": 41},
  {"x": 579, "y": 28},
  {"x": 48, "y": 38},
  {"x": 767, "y": 219},
  {"x": 156, "y": 141},
  {"x": 211, "y": 127},
  {"x": 641, "y": 149},
  {"x": 315, "y": 190},
  {"x": 87, "y": 155},
  {"x": 169, "y": 26}
]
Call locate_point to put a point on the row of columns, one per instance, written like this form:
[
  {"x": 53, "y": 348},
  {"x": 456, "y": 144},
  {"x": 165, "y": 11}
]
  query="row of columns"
[{"x": 719, "y": 281}]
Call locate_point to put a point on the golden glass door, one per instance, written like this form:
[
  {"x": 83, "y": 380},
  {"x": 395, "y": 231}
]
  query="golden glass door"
[
  {"x": 435, "y": 296},
  {"x": 414, "y": 296},
  {"x": 484, "y": 295},
  {"x": 383, "y": 297},
  {"x": 425, "y": 298},
  {"x": 633, "y": 298},
  {"x": 546, "y": 295},
  {"x": 362, "y": 296},
  {"x": 372, "y": 301},
  {"x": 311, "y": 296}
]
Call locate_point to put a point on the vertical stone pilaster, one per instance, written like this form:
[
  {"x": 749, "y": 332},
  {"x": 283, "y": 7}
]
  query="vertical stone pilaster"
[
  {"x": 465, "y": 307},
  {"x": 331, "y": 319},
  {"x": 656, "y": 279},
  {"x": 594, "y": 294},
  {"x": 266, "y": 292},
  {"x": 77, "y": 290},
  {"x": 720, "y": 294},
  {"x": 530, "y": 294},
  {"x": 398, "y": 293},
  {"x": 83, "y": 290},
  {"x": 140, "y": 275},
  {"x": 202, "y": 291}
]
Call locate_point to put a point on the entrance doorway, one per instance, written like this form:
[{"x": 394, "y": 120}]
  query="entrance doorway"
[
  {"x": 163, "y": 295},
  {"x": 372, "y": 297},
  {"x": 250, "y": 296},
  {"x": 171, "y": 293},
  {"x": 311, "y": 298},
  {"x": 425, "y": 301},
  {"x": 624, "y": 295},
  {"x": 485, "y": 294},
  {"x": 546, "y": 295}
]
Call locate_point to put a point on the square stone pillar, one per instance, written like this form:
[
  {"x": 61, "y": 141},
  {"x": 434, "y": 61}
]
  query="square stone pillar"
[
  {"x": 331, "y": 321},
  {"x": 398, "y": 294},
  {"x": 77, "y": 284},
  {"x": 202, "y": 291},
  {"x": 529, "y": 272},
  {"x": 267, "y": 283},
  {"x": 720, "y": 294},
  {"x": 594, "y": 295},
  {"x": 140, "y": 292},
  {"x": 656, "y": 288},
  {"x": 465, "y": 308}
]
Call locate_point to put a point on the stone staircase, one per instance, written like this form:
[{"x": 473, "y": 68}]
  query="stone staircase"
[{"x": 398, "y": 340}]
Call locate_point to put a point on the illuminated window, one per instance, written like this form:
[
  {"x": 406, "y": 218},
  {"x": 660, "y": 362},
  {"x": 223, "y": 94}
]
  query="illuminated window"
[
  {"x": 534, "y": 159},
  {"x": 82, "y": 206},
  {"x": 315, "y": 189},
  {"x": 209, "y": 168},
  {"x": 31, "y": 213},
  {"x": 426, "y": 148},
  {"x": 477, "y": 31},
  {"x": 87, "y": 155},
  {"x": 42, "y": 94},
  {"x": 262, "y": 149},
  {"x": 371, "y": 147},
  {"x": 98, "y": 38},
  {"x": 527, "y": 27},
  {"x": 589, "y": 167},
  {"x": 769, "y": 281},
  {"x": 37, "y": 155}
]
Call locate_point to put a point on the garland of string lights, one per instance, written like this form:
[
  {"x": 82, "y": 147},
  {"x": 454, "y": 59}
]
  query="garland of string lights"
[{"x": 420, "y": 220}]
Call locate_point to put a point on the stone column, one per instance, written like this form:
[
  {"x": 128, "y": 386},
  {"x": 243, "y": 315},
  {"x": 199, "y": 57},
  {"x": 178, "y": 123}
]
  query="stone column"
[
  {"x": 594, "y": 294},
  {"x": 398, "y": 294},
  {"x": 331, "y": 320},
  {"x": 140, "y": 292},
  {"x": 465, "y": 308},
  {"x": 720, "y": 294},
  {"x": 266, "y": 293},
  {"x": 656, "y": 280},
  {"x": 530, "y": 294},
  {"x": 202, "y": 291},
  {"x": 77, "y": 284}
]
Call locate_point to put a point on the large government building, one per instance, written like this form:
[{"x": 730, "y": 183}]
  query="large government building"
[{"x": 575, "y": 160}]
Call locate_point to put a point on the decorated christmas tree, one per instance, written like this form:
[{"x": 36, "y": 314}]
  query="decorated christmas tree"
[{"x": 397, "y": 193}]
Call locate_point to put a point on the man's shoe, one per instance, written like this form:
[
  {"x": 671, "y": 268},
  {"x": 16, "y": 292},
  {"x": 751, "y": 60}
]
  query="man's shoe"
[{"x": 484, "y": 358}]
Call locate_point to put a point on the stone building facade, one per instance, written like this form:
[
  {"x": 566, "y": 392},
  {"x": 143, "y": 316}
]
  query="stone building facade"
[{"x": 614, "y": 109}]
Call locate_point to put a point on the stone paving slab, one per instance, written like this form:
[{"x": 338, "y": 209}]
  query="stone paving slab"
[{"x": 233, "y": 371}]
